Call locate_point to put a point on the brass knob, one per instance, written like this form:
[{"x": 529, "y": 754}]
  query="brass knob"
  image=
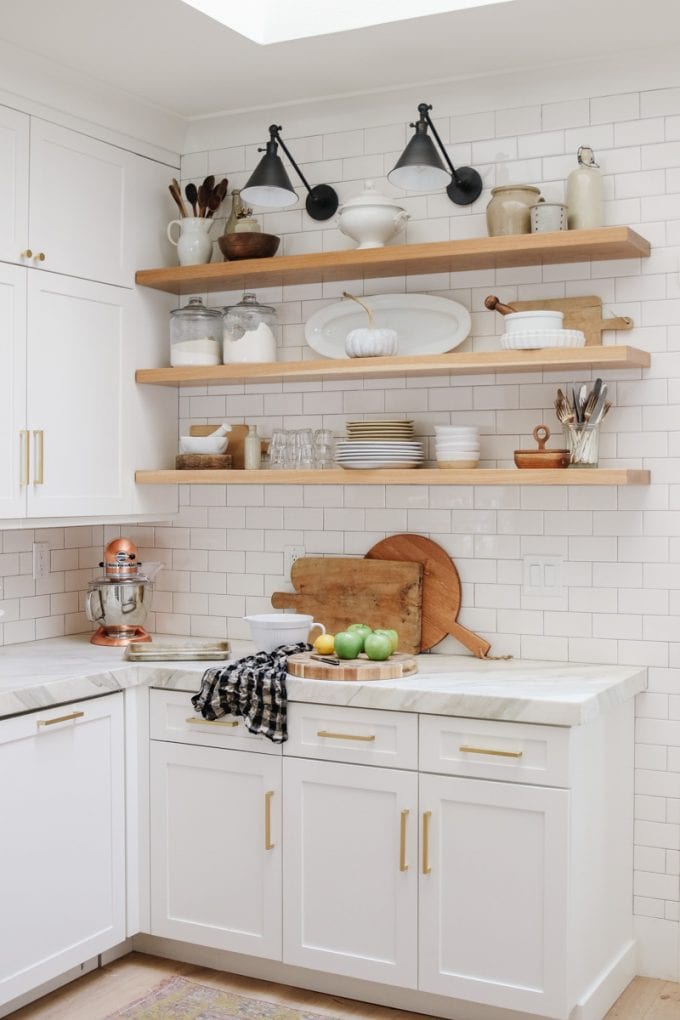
[
  {"x": 27, "y": 254},
  {"x": 40, "y": 257}
]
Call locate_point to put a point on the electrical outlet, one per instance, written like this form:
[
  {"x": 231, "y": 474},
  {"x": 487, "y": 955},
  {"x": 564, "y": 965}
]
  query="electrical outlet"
[
  {"x": 542, "y": 577},
  {"x": 291, "y": 553},
  {"x": 41, "y": 560}
]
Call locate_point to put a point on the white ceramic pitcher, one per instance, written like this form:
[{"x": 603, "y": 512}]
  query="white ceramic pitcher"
[{"x": 194, "y": 247}]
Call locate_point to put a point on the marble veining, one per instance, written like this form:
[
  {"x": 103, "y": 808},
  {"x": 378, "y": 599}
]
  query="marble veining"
[{"x": 42, "y": 674}]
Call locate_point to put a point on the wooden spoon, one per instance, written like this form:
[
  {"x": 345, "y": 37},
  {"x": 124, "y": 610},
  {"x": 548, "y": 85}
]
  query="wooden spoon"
[
  {"x": 179, "y": 199},
  {"x": 191, "y": 191},
  {"x": 495, "y": 305},
  {"x": 202, "y": 200}
]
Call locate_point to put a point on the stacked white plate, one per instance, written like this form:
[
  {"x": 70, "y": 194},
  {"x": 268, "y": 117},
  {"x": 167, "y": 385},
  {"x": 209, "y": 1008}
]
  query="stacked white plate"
[
  {"x": 379, "y": 454},
  {"x": 380, "y": 431},
  {"x": 457, "y": 446},
  {"x": 535, "y": 339}
]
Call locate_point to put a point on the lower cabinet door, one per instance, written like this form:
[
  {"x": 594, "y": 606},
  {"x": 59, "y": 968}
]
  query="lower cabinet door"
[
  {"x": 351, "y": 870},
  {"x": 216, "y": 848},
  {"x": 62, "y": 840},
  {"x": 494, "y": 893}
]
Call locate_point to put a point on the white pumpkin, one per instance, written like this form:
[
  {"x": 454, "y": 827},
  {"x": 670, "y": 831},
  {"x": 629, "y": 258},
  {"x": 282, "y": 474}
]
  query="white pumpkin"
[{"x": 371, "y": 343}]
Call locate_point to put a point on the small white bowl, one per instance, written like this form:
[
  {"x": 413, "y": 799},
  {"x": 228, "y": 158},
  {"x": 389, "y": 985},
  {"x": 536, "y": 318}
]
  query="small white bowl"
[
  {"x": 457, "y": 454},
  {"x": 203, "y": 444},
  {"x": 456, "y": 446},
  {"x": 270, "y": 630},
  {"x": 534, "y": 320},
  {"x": 458, "y": 464},
  {"x": 455, "y": 429}
]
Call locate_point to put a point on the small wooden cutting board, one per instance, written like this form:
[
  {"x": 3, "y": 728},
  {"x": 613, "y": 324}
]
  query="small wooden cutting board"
[
  {"x": 338, "y": 591},
  {"x": 398, "y": 665}
]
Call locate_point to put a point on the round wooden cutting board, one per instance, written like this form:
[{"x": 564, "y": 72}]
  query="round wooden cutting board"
[
  {"x": 441, "y": 590},
  {"x": 398, "y": 665}
]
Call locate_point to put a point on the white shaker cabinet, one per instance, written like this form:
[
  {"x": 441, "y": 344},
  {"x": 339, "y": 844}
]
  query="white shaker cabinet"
[
  {"x": 216, "y": 847},
  {"x": 62, "y": 849},
  {"x": 14, "y": 437},
  {"x": 75, "y": 396},
  {"x": 494, "y": 893},
  {"x": 351, "y": 870},
  {"x": 14, "y": 133}
]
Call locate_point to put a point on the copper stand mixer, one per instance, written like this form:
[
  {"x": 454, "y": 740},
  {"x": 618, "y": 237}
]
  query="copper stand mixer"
[{"x": 120, "y": 600}]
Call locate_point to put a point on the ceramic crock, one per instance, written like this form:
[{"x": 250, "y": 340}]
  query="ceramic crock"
[
  {"x": 508, "y": 212},
  {"x": 371, "y": 219}
]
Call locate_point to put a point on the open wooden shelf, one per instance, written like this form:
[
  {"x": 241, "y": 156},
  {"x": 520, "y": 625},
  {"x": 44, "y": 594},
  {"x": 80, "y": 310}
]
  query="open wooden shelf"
[
  {"x": 465, "y": 363},
  {"x": 402, "y": 260},
  {"x": 403, "y": 476}
]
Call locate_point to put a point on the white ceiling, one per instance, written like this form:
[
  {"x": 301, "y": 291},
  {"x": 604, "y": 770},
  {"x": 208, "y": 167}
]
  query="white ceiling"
[{"x": 168, "y": 54}]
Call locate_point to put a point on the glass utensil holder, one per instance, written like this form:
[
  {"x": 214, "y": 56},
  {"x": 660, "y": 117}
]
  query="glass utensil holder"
[{"x": 582, "y": 439}]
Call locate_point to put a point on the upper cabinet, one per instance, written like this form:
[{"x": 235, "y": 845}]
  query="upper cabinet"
[
  {"x": 91, "y": 210},
  {"x": 14, "y": 133}
]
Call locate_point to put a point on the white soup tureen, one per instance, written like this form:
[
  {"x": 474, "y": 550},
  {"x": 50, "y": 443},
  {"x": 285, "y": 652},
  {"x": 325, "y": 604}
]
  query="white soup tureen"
[{"x": 371, "y": 219}]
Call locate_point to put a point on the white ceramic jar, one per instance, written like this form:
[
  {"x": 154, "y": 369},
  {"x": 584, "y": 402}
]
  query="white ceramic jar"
[
  {"x": 371, "y": 219},
  {"x": 585, "y": 192}
]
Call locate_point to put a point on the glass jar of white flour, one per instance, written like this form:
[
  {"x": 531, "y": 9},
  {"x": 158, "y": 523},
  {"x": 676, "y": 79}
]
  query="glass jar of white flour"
[
  {"x": 195, "y": 335},
  {"x": 249, "y": 332}
]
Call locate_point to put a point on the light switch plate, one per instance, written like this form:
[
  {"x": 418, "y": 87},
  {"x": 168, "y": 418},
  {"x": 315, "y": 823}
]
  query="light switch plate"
[
  {"x": 41, "y": 560},
  {"x": 542, "y": 577}
]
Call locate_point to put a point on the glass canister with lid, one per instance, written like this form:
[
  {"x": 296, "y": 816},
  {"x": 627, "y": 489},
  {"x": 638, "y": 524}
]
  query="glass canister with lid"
[
  {"x": 249, "y": 331},
  {"x": 195, "y": 335}
]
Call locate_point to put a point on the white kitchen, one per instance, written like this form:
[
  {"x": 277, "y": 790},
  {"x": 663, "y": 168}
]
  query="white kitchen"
[{"x": 340, "y": 510}]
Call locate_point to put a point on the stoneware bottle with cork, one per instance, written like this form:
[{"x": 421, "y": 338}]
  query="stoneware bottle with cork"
[
  {"x": 585, "y": 193},
  {"x": 252, "y": 450}
]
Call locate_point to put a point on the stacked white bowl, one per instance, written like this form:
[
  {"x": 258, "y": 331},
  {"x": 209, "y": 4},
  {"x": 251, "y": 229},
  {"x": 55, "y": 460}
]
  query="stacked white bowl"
[{"x": 457, "y": 446}]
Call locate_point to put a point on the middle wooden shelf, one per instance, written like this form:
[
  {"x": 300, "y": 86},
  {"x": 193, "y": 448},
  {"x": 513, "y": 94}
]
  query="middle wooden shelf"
[{"x": 455, "y": 363}]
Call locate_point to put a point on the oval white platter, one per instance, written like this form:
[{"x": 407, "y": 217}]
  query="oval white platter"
[{"x": 424, "y": 324}]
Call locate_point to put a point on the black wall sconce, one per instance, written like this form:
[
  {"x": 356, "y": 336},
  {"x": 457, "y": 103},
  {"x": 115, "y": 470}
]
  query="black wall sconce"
[
  {"x": 420, "y": 168},
  {"x": 269, "y": 185}
]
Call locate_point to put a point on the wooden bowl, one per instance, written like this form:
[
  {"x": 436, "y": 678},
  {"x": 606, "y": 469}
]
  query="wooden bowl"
[
  {"x": 542, "y": 458},
  {"x": 248, "y": 245}
]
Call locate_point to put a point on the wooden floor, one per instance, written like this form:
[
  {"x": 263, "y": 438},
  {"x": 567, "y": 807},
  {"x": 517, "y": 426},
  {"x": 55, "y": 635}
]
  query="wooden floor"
[{"x": 100, "y": 993}]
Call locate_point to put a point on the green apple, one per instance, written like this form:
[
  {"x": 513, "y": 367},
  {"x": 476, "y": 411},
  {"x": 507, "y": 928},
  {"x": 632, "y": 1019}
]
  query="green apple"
[
  {"x": 391, "y": 634},
  {"x": 348, "y": 644},
  {"x": 361, "y": 628},
  {"x": 378, "y": 646}
]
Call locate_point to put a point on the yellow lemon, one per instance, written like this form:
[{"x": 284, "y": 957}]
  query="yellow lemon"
[{"x": 324, "y": 644}]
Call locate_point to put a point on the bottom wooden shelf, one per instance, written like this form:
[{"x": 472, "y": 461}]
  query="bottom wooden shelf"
[{"x": 407, "y": 476}]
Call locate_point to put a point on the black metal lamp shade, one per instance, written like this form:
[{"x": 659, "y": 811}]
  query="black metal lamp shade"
[
  {"x": 420, "y": 167},
  {"x": 269, "y": 185}
]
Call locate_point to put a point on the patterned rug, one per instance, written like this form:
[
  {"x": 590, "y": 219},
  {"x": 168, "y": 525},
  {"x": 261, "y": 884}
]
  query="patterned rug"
[{"x": 176, "y": 998}]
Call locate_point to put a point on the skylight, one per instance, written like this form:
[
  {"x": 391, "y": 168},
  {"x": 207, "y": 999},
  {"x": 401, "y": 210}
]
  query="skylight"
[{"x": 271, "y": 21}]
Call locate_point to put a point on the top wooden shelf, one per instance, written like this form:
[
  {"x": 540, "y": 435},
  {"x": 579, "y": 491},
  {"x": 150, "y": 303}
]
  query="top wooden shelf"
[{"x": 401, "y": 260}]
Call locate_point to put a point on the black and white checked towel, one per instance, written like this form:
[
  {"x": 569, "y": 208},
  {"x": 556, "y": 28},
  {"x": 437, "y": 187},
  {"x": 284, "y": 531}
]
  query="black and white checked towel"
[{"x": 254, "y": 688}]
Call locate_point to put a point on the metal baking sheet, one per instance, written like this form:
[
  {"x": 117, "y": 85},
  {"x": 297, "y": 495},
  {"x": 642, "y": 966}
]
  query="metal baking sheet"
[{"x": 179, "y": 651}]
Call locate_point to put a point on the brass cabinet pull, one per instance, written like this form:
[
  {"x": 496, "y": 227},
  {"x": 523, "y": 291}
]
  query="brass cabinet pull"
[
  {"x": 211, "y": 722},
  {"x": 60, "y": 718},
  {"x": 39, "y": 440},
  {"x": 268, "y": 845},
  {"x": 27, "y": 254},
  {"x": 40, "y": 257},
  {"x": 487, "y": 750},
  {"x": 25, "y": 455},
  {"x": 403, "y": 866},
  {"x": 427, "y": 815},
  {"x": 346, "y": 736}
]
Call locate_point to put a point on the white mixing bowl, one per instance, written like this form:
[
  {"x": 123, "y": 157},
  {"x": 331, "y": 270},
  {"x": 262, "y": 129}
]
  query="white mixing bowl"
[{"x": 270, "y": 630}]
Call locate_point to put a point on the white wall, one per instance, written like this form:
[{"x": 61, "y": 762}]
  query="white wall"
[{"x": 621, "y": 548}]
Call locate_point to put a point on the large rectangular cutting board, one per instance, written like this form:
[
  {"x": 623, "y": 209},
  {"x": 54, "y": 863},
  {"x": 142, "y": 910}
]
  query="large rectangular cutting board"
[{"x": 338, "y": 591}]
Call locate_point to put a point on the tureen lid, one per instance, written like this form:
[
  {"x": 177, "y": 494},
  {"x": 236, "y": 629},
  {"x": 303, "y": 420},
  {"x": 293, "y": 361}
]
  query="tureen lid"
[{"x": 370, "y": 196}]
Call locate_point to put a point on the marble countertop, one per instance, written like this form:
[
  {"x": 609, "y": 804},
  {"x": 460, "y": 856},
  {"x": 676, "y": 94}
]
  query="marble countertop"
[{"x": 42, "y": 674}]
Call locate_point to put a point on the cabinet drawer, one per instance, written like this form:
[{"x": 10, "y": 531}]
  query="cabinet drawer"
[
  {"x": 489, "y": 749},
  {"x": 362, "y": 735},
  {"x": 172, "y": 717}
]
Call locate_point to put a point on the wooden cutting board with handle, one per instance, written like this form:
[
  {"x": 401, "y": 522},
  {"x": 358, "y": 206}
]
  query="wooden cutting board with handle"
[
  {"x": 441, "y": 590},
  {"x": 354, "y": 670},
  {"x": 338, "y": 591},
  {"x": 584, "y": 313}
]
